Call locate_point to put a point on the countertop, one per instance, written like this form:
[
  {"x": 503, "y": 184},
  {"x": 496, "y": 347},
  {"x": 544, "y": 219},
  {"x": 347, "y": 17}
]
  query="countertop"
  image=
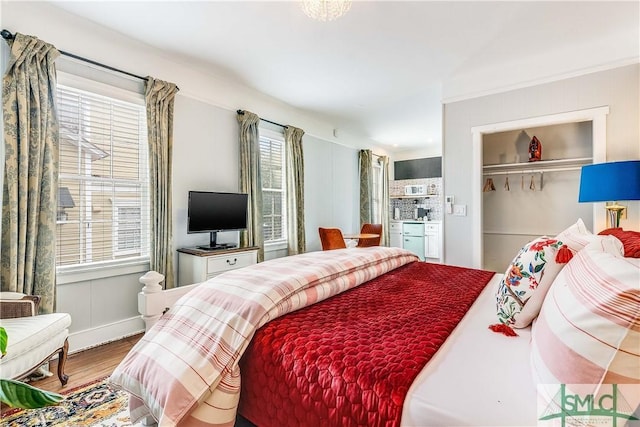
[{"x": 417, "y": 221}]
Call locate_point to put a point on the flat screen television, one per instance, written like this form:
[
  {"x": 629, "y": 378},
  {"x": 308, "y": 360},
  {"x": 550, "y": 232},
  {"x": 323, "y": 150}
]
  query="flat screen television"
[{"x": 210, "y": 212}]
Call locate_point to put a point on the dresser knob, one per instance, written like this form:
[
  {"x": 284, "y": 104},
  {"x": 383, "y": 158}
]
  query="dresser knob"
[{"x": 235, "y": 260}]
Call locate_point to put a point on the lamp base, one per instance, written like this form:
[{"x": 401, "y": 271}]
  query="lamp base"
[{"x": 614, "y": 212}]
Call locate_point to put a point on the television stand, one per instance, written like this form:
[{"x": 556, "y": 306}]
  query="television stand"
[{"x": 196, "y": 265}]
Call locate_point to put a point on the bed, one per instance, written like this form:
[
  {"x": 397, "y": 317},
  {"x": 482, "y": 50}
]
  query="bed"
[
  {"x": 444, "y": 393},
  {"x": 473, "y": 376}
]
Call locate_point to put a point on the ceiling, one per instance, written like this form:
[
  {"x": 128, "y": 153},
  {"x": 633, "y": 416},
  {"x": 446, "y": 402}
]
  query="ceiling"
[{"x": 382, "y": 70}]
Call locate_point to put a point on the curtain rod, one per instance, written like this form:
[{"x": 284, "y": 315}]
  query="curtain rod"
[
  {"x": 241, "y": 112},
  {"x": 8, "y": 36}
]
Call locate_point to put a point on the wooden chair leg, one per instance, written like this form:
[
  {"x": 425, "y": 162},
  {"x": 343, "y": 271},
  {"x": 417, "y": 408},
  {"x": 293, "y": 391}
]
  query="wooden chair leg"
[{"x": 62, "y": 360}]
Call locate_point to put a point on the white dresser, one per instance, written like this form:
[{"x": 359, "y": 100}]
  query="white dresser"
[{"x": 197, "y": 265}]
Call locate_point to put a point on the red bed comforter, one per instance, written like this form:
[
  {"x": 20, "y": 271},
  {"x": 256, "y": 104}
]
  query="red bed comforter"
[{"x": 350, "y": 360}]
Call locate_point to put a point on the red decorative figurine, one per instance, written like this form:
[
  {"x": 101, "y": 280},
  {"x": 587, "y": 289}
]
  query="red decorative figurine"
[{"x": 535, "y": 150}]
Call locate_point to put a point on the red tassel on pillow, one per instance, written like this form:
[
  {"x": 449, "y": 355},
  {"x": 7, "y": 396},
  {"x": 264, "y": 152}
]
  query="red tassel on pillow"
[
  {"x": 501, "y": 328},
  {"x": 564, "y": 255}
]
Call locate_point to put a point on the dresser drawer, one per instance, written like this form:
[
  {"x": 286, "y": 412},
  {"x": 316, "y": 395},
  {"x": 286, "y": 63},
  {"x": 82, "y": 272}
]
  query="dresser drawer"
[
  {"x": 196, "y": 265},
  {"x": 219, "y": 264}
]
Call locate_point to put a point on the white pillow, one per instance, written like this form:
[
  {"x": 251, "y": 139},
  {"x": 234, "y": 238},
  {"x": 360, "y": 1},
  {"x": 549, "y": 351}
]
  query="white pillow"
[{"x": 576, "y": 236}]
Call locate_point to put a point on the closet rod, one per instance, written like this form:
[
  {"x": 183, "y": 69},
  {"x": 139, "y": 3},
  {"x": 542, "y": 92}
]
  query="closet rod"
[
  {"x": 531, "y": 171},
  {"x": 6, "y": 34}
]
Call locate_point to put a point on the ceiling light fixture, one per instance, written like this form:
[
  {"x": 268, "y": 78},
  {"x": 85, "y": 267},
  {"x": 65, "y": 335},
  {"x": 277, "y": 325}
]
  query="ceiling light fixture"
[{"x": 325, "y": 10}]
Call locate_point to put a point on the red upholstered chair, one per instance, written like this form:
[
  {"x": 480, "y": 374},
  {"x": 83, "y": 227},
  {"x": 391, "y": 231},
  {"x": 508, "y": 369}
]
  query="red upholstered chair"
[
  {"x": 331, "y": 238},
  {"x": 370, "y": 229}
]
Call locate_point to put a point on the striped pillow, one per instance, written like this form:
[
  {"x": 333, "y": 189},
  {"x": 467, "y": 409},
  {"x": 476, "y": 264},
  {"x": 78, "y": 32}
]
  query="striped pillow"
[{"x": 588, "y": 331}]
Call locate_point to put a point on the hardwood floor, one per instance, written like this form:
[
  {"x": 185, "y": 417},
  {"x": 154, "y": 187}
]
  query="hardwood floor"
[{"x": 88, "y": 365}]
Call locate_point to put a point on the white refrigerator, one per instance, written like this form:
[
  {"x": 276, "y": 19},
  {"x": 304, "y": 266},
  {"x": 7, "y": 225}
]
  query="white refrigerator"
[{"x": 413, "y": 238}]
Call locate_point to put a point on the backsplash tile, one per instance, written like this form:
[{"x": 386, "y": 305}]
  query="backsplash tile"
[{"x": 407, "y": 206}]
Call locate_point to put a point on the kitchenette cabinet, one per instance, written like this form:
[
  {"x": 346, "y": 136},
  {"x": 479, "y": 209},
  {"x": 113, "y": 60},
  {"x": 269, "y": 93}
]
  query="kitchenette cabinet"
[
  {"x": 432, "y": 240},
  {"x": 395, "y": 234},
  {"x": 424, "y": 238}
]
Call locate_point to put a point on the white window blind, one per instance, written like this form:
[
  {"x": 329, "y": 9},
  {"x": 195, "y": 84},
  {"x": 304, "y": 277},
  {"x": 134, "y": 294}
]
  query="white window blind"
[
  {"x": 273, "y": 189},
  {"x": 127, "y": 236},
  {"x": 103, "y": 203}
]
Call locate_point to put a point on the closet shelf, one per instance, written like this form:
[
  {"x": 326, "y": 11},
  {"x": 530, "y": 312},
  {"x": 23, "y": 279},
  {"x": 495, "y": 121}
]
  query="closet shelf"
[{"x": 541, "y": 166}]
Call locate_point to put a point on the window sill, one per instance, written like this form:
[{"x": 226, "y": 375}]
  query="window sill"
[
  {"x": 276, "y": 246},
  {"x": 83, "y": 273}
]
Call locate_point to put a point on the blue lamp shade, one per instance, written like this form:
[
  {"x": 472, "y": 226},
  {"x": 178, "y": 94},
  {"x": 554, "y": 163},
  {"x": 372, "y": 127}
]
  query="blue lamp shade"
[{"x": 610, "y": 182}]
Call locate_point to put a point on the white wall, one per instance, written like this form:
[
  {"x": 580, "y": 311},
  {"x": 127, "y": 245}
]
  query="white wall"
[
  {"x": 617, "y": 88},
  {"x": 103, "y": 304},
  {"x": 332, "y": 189},
  {"x": 205, "y": 157},
  {"x": 417, "y": 153}
]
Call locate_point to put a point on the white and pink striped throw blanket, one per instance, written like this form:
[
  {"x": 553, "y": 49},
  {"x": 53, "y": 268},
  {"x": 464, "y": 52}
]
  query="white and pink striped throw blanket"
[{"x": 184, "y": 371}]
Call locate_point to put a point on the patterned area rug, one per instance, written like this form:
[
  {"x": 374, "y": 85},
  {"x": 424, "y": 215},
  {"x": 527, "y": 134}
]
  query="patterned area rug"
[{"x": 93, "y": 404}]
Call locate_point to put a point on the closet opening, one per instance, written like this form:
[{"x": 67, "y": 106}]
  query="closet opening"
[{"x": 518, "y": 200}]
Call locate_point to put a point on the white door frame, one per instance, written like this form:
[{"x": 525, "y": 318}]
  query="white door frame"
[{"x": 598, "y": 118}]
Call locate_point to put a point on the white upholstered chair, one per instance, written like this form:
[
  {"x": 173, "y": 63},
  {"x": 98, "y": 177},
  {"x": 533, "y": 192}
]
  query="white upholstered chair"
[{"x": 33, "y": 339}]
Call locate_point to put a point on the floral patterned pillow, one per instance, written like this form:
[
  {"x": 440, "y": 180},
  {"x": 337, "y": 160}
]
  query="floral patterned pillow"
[{"x": 531, "y": 272}]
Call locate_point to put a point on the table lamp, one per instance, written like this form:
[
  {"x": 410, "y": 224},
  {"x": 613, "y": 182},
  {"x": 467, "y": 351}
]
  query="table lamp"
[{"x": 610, "y": 182}]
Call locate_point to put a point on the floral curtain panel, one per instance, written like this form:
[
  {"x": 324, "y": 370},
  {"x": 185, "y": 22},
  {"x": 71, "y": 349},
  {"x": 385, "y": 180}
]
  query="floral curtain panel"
[
  {"x": 369, "y": 211},
  {"x": 366, "y": 184},
  {"x": 159, "y": 97},
  {"x": 295, "y": 190},
  {"x": 250, "y": 180},
  {"x": 28, "y": 239}
]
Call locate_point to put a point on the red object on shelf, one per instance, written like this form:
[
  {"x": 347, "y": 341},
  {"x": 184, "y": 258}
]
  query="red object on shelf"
[{"x": 535, "y": 150}]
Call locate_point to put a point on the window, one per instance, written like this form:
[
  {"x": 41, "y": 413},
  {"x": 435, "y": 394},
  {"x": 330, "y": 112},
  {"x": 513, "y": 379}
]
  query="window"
[
  {"x": 126, "y": 225},
  {"x": 376, "y": 192},
  {"x": 103, "y": 203},
  {"x": 273, "y": 188}
]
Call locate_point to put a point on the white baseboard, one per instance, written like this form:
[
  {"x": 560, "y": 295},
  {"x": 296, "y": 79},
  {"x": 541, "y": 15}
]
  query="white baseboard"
[{"x": 103, "y": 334}]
